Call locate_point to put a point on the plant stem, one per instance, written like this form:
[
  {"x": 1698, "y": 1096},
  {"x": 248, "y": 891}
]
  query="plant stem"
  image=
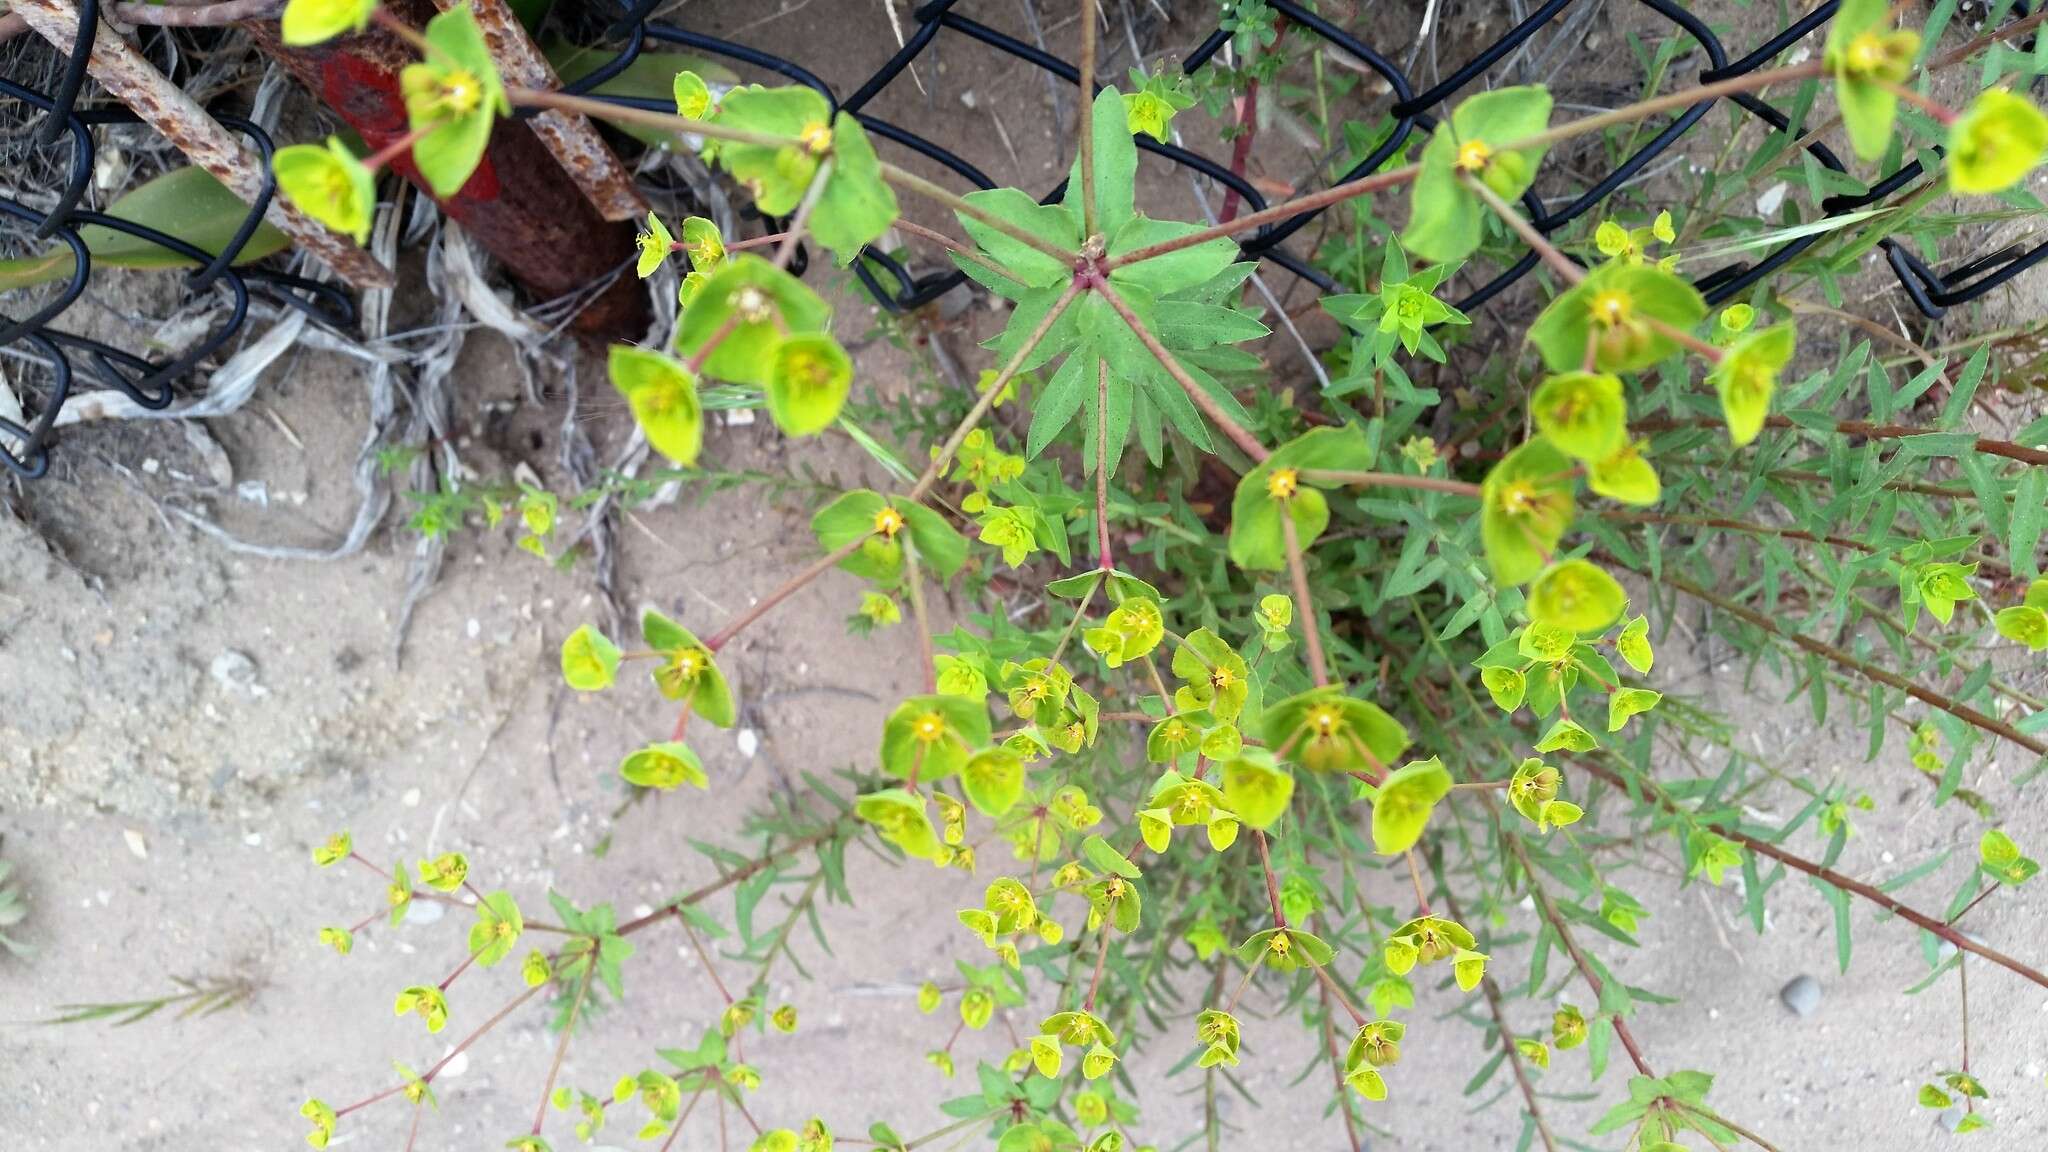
[
  {"x": 1564, "y": 936},
  {"x": 1868, "y": 892},
  {"x": 473, "y": 1037},
  {"x": 1102, "y": 555},
  {"x": 620, "y": 114},
  {"x": 1272, "y": 882},
  {"x": 959, "y": 248},
  {"x": 1364, "y": 185},
  {"x": 1080, "y": 610},
  {"x": 987, "y": 400},
  {"x": 737, "y": 875},
  {"x": 1942, "y": 113},
  {"x": 790, "y": 587},
  {"x": 802, "y": 219},
  {"x": 1956, "y": 708},
  {"x": 924, "y": 483},
  {"x": 1415, "y": 875},
  {"x": 704, "y": 957},
  {"x": 2006, "y": 448},
  {"x": 912, "y": 182},
  {"x": 1087, "y": 127},
  {"x": 1311, "y": 627},
  {"x": 1538, "y": 243},
  {"x": 1389, "y": 480},
  {"x": 1507, "y": 1037},
  {"x": 913, "y": 580},
  {"x": 1207, "y": 403},
  {"x": 1331, "y": 987},
  {"x": 1336, "y": 1069},
  {"x": 547, "y": 1087},
  {"x": 385, "y": 19},
  {"x": 1632, "y": 517},
  {"x": 1101, "y": 960}
]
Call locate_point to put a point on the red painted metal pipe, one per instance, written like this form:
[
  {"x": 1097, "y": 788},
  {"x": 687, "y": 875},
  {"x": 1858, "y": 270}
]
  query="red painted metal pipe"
[{"x": 519, "y": 205}]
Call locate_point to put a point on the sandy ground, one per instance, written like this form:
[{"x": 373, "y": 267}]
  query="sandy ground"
[{"x": 181, "y": 725}]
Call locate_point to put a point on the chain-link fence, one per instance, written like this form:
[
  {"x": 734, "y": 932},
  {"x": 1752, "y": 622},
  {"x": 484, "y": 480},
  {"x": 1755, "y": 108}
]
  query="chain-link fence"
[{"x": 65, "y": 357}]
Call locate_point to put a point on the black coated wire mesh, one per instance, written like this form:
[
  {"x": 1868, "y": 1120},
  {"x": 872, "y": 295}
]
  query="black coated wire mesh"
[{"x": 149, "y": 382}]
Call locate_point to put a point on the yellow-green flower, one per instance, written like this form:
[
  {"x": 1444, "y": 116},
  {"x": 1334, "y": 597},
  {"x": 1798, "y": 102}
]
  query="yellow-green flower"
[
  {"x": 1995, "y": 143},
  {"x": 425, "y": 1001},
  {"x": 655, "y": 244},
  {"x": 335, "y": 850}
]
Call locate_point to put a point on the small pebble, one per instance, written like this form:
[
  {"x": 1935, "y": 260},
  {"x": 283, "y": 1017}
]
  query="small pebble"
[{"x": 1802, "y": 995}]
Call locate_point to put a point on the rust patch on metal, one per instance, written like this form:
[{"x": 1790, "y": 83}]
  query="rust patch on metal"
[
  {"x": 519, "y": 205},
  {"x": 572, "y": 139},
  {"x": 150, "y": 95}
]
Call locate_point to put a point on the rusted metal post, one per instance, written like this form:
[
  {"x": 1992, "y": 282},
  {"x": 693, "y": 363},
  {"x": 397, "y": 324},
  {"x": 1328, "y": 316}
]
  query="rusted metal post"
[
  {"x": 520, "y": 205},
  {"x": 577, "y": 147},
  {"x": 149, "y": 94}
]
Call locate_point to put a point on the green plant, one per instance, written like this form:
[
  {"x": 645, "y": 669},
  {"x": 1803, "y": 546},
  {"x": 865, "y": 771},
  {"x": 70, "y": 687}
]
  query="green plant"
[
  {"x": 196, "y": 996},
  {"x": 13, "y": 910},
  {"x": 1317, "y": 718}
]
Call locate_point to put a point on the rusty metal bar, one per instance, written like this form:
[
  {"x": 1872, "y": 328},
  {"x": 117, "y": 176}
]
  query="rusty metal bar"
[
  {"x": 575, "y": 142},
  {"x": 149, "y": 94},
  {"x": 519, "y": 204}
]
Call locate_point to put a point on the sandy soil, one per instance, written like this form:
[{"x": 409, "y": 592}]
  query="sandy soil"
[{"x": 181, "y": 725}]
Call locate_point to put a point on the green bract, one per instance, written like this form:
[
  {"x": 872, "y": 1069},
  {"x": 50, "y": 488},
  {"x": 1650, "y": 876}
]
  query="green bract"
[
  {"x": 1747, "y": 376},
  {"x": 589, "y": 661},
  {"x": 1428, "y": 939},
  {"x": 1403, "y": 802},
  {"x": 1623, "y": 312},
  {"x": 1285, "y": 949},
  {"x": 308, "y": 22},
  {"x": 1576, "y": 595},
  {"x": 1131, "y": 630},
  {"x": 1533, "y": 785},
  {"x": 1152, "y": 106},
  {"x": 664, "y": 767},
  {"x": 1256, "y": 789},
  {"x": 426, "y": 1001},
  {"x": 1216, "y": 679},
  {"x": 662, "y": 391},
  {"x": 654, "y": 244},
  {"x": 932, "y": 737},
  {"x": 741, "y": 316},
  {"x": 1525, "y": 506},
  {"x": 1325, "y": 731},
  {"x": 1633, "y": 644},
  {"x": 497, "y": 928},
  {"x": 808, "y": 383},
  {"x": 855, "y": 205},
  {"x": 444, "y": 873},
  {"x": 992, "y": 778},
  {"x": 453, "y": 95},
  {"x": 877, "y": 522},
  {"x": 1995, "y": 143},
  {"x": 1444, "y": 216},
  {"x": 1866, "y": 59},
  {"x": 1285, "y": 483},
  {"x": 2025, "y": 624},
  {"x": 1625, "y": 476},
  {"x": 1582, "y": 413},
  {"x": 899, "y": 816},
  {"x": 687, "y": 670},
  {"x": 335, "y": 849},
  {"x": 329, "y": 184},
  {"x": 692, "y": 96}
]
